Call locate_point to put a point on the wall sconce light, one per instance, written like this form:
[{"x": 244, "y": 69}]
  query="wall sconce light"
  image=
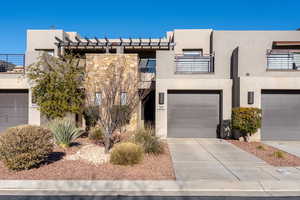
[
  {"x": 250, "y": 98},
  {"x": 161, "y": 98}
]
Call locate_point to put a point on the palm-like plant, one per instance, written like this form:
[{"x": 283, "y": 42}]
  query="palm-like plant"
[{"x": 64, "y": 132}]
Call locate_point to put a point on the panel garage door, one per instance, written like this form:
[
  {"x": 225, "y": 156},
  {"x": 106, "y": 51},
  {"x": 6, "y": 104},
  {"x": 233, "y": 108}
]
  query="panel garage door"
[
  {"x": 281, "y": 115},
  {"x": 13, "y": 108},
  {"x": 193, "y": 114}
]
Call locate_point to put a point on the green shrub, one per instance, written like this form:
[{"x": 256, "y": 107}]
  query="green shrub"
[
  {"x": 91, "y": 115},
  {"x": 261, "y": 147},
  {"x": 278, "y": 154},
  {"x": 25, "y": 147},
  {"x": 96, "y": 134},
  {"x": 64, "y": 132},
  {"x": 147, "y": 139},
  {"x": 247, "y": 120},
  {"x": 126, "y": 154}
]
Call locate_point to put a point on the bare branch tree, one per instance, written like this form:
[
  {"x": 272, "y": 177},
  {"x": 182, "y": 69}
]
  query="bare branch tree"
[{"x": 120, "y": 95}]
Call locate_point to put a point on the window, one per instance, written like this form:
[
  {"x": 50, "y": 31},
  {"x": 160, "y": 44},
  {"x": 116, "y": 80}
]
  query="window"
[
  {"x": 98, "y": 98},
  {"x": 123, "y": 98},
  {"x": 192, "y": 52}
]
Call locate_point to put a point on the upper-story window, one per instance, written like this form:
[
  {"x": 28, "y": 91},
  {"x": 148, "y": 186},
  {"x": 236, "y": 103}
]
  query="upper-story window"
[
  {"x": 193, "y": 61},
  {"x": 123, "y": 98},
  {"x": 283, "y": 60},
  {"x": 98, "y": 98}
]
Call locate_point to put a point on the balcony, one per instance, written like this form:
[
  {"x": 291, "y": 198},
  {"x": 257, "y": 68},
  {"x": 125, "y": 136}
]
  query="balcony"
[
  {"x": 12, "y": 63},
  {"x": 194, "y": 64},
  {"x": 147, "y": 69},
  {"x": 283, "y": 60}
]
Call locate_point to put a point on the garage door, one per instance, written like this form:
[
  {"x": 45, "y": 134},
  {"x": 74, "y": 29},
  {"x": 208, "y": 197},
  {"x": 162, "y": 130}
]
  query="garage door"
[
  {"x": 193, "y": 114},
  {"x": 13, "y": 108},
  {"x": 281, "y": 115}
]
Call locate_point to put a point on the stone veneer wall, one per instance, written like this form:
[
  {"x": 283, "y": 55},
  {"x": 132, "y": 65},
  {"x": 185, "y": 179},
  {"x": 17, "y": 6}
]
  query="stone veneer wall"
[{"x": 95, "y": 63}]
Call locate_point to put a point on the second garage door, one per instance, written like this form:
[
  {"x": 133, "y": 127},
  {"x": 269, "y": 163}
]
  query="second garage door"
[
  {"x": 193, "y": 114},
  {"x": 281, "y": 115},
  {"x": 13, "y": 108}
]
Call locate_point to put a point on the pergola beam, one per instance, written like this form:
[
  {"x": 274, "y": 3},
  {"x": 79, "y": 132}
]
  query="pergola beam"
[{"x": 148, "y": 43}]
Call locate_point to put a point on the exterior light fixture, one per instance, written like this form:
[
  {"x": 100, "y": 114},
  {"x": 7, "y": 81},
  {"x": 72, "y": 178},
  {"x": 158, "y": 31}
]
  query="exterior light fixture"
[
  {"x": 250, "y": 98},
  {"x": 161, "y": 98}
]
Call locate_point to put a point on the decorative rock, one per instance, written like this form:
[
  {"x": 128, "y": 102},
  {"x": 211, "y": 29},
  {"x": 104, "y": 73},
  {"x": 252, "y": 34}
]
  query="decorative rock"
[{"x": 91, "y": 153}]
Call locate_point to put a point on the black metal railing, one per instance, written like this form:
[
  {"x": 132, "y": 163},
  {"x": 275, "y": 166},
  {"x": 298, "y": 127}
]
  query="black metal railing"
[
  {"x": 147, "y": 69},
  {"x": 283, "y": 60},
  {"x": 12, "y": 63},
  {"x": 147, "y": 65},
  {"x": 194, "y": 63}
]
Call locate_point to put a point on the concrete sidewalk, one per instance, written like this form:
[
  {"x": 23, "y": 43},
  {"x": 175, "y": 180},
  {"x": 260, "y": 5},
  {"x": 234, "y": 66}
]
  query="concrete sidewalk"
[
  {"x": 292, "y": 147},
  {"x": 165, "y": 188}
]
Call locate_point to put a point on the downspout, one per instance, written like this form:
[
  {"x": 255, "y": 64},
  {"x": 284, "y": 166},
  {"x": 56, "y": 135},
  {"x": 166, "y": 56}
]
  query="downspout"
[{"x": 234, "y": 75}]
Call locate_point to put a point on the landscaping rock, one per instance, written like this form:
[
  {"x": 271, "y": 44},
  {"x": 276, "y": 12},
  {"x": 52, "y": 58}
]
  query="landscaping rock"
[{"x": 91, "y": 153}]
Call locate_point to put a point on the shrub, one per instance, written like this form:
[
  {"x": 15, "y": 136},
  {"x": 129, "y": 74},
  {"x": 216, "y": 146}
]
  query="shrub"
[
  {"x": 149, "y": 142},
  {"x": 121, "y": 115},
  {"x": 64, "y": 132},
  {"x": 247, "y": 120},
  {"x": 261, "y": 147},
  {"x": 278, "y": 154},
  {"x": 57, "y": 82},
  {"x": 91, "y": 116},
  {"x": 126, "y": 154},
  {"x": 96, "y": 134},
  {"x": 25, "y": 147}
]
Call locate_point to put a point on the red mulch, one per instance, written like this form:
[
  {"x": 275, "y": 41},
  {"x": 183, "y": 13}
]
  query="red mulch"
[
  {"x": 151, "y": 168},
  {"x": 267, "y": 154}
]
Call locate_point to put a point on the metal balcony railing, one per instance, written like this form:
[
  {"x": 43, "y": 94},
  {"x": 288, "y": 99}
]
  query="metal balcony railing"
[
  {"x": 12, "y": 63},
  {"x": 147, "y": 69},
  {"x": 194, "y": 63},
  {"x": 283, "y": 60},
  {"x": 147, "y": 65}
]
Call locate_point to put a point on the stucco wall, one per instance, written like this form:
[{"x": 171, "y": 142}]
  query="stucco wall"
[
  {"x": 166, "y": 80},
  {"x": 166, "y": 67},
  {"x": 253, "y": 46},
  {"x": 192, "y": 39}
]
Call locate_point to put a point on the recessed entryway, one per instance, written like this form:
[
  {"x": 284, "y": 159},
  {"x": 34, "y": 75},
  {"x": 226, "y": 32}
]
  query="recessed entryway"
[
  {"x": 193, "y": 114},
  {"x": 13, "y": 108},
  {"x": 280, "y": 115}
]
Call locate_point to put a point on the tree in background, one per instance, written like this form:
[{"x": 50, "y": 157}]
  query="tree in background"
[{"x": 56, "y": 83}]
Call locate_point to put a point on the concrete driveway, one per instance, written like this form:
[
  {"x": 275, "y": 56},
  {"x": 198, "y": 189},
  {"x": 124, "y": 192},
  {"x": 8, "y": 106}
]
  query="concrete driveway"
[
  {"x": 292, "y": 147},
  {"x": 215, "y": 159}
]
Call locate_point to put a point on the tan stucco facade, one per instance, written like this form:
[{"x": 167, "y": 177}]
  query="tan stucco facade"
[{"x": 252, "y": 66}]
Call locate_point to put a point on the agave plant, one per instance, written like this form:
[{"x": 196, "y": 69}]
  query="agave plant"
[{"x": 64, "y": 132}]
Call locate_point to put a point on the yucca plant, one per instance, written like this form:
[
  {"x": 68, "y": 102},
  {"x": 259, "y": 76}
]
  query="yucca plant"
[{"x": 64, "y": 132}]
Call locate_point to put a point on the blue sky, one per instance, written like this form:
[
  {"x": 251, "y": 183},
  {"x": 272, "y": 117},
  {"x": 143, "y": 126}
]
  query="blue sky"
[{"x": 131, "y": 18}]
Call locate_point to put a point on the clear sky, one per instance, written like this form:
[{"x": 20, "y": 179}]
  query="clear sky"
[{"x": 131, "y": 18}]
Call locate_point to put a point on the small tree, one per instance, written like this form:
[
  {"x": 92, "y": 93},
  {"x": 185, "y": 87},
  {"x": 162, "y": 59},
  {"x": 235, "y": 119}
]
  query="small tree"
[
  {"x": 247, "y": 120},
  {"x": 56, "y": 85},
  {"x": 119, "y": 96}
]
